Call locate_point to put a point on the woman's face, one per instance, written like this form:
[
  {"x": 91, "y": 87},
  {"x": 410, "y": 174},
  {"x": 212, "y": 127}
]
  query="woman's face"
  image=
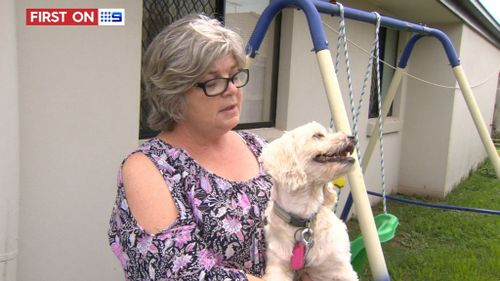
[{"x": 222, "y": 112}]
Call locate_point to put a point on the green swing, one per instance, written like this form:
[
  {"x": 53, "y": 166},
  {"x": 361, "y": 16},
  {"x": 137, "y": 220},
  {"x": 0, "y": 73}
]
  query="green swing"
[{"x": 386, "y": 228}]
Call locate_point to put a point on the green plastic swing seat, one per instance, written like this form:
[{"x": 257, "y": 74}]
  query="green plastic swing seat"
[{"x": 386, "y": 228}]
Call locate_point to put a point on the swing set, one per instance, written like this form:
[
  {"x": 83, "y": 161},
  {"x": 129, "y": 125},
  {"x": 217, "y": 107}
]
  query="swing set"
[{"x": 381, "y": 228}]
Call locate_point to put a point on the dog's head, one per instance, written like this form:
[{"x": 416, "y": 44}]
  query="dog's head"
[{"x": 308, "y": 155}]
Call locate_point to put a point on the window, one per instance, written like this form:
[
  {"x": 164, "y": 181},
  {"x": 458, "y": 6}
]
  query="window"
[
  {"x": 259, "y": 99},
  {"x": 388, "y": 44}
]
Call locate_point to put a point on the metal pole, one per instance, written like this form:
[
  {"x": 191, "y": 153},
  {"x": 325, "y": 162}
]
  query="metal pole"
[
  {"x": 482, "y": 129},
  {"x": 358, "y": 189},
  {"x": 368, "y": 228},
  {"x": 386, "y": 106}
]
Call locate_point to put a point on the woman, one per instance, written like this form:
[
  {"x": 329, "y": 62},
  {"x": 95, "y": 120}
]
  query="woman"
[{"x": 190, "y": 201}]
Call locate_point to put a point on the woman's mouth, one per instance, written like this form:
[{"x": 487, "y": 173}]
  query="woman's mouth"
[{"x": 228, "y": 108}]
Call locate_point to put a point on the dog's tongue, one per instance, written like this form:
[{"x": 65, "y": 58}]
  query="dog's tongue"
[{"x": 298, "y": 256}]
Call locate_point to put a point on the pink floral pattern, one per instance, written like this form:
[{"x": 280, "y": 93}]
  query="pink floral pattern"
[{"x": 219, "y": 234}]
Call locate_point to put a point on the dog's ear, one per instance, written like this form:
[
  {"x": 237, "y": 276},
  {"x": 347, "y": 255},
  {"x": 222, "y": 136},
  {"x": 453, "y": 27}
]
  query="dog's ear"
[{"x": 281, "y": 162}]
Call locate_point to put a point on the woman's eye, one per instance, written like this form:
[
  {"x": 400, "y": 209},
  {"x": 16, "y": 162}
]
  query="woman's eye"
[{"x": 211, "y": 84}]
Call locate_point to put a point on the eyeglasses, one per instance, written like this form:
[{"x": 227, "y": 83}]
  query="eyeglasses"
[{"x": 217, "y": 86}]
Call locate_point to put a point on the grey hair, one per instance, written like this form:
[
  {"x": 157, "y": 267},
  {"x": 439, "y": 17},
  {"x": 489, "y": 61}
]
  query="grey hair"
[{"x": 180, "y": 55}]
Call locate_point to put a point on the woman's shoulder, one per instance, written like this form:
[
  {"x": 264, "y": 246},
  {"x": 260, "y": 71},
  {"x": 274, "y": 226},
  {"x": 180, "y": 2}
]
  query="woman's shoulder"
[
  {"x": 153, "y": 145},
  {"x": 162, "y": 154},
  {"x": 252, "y": 139}
]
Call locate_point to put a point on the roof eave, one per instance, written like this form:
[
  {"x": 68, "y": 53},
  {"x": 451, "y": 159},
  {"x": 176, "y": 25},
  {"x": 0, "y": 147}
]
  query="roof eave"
[{"x": 475, "y": 15}]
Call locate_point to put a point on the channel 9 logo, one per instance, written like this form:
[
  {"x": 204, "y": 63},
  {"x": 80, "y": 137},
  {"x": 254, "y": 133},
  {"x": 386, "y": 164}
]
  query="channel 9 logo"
[
  {"x": 111, "y": 16},
  {"x": 71, "y": 16}
]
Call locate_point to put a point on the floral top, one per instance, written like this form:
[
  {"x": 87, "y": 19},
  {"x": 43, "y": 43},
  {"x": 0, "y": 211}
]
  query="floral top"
[{"x": 219, "y": 231}]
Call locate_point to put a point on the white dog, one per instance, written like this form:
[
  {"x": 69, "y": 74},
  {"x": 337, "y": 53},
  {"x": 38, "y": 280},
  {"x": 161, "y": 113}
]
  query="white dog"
[{"x": 301, "y": 224}]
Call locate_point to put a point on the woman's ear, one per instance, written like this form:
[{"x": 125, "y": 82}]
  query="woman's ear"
[{"x": 281, "y": 162}]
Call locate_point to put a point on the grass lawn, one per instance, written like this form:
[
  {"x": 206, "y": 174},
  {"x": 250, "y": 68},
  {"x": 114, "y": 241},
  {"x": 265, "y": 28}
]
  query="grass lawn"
[{"x": 443, "y": 245}]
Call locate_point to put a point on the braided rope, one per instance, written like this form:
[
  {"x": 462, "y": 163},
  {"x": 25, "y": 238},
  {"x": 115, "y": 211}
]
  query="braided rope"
[
  {"x": 380, "y": 115},
  {"x": 342, "y": 40},
  {"x": 374, "y": 53}
]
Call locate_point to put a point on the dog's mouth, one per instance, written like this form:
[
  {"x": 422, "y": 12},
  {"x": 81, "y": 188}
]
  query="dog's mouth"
[{"x": 343, "y": 155}]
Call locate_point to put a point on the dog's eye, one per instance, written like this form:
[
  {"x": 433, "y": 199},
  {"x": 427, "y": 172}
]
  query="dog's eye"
[{"x": 318, "y": 136}]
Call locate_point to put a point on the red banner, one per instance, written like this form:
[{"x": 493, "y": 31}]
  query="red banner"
[{"x": 62, "y": 16}]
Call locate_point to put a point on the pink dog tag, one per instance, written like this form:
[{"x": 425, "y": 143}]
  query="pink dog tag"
[{"x": 298, "y": 256}]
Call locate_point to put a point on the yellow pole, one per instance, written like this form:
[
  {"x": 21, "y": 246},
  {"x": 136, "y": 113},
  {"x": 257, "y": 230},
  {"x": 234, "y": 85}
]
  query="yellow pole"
[
  {"x": 477, "y": 117},
  {"x": 363, "y": 209},
  {"x": 248, "y": 61},
  {"x": 386, "y": 106}
]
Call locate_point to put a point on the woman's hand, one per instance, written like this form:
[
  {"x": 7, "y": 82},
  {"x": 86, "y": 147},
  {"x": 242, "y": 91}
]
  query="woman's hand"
[
  {"x": 253, "y": 278},
  {"x": 306, "y": 277}
]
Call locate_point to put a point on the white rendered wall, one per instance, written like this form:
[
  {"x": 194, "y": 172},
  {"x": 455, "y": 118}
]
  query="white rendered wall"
[
  {"x": 79, "y": 103},
  {"x": 9, "y": 143},
  {"x": 427, "y": 119}
]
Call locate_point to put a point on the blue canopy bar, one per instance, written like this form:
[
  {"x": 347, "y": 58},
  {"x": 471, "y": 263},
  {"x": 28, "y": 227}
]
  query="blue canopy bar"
[
  {"x": 312, "y": 8},
  {"x": 313, "y": 19}
]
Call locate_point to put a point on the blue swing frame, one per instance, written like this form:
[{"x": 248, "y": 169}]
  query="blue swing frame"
[{"x": 312, "y": 10}]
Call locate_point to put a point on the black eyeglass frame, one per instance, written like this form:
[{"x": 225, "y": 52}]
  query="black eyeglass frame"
[{"x": 202, "y": 85}]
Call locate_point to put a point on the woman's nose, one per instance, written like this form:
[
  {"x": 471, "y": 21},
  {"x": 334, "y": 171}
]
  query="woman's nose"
[{"x": 231, "y": 88}]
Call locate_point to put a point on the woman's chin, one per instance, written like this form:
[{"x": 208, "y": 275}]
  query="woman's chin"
[{"x": 232, "y": 123}]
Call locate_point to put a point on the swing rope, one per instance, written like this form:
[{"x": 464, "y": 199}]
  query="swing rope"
[
  {"x": 380, "y": 115},
  {"x": 355, "y": 112},
  {"x": 386, "y": 223}
]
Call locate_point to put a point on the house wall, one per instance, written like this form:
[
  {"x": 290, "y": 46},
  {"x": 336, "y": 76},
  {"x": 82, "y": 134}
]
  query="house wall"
[
  {"x": 9, "y": 143},
  {"x": 79, "y": 103},
  {"x": 427, "y": 118}
]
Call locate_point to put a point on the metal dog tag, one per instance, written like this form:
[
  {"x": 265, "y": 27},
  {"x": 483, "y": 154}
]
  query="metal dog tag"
[
  {"x": 304, "y": 241},
  {"x": 306, "y": 236},
  {"x": 298, "y": 258}
]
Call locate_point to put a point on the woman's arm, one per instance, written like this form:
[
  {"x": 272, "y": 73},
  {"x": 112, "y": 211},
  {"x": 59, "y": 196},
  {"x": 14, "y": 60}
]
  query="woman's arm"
[
  {"x": 148, "y": 196},
  {"x": 151, "y": 238}
]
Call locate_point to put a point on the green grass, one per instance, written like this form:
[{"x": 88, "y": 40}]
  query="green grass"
[{"x": 433, "y": 244}]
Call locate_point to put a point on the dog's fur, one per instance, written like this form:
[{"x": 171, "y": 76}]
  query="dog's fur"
[{"x": 300, "y": 187}]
